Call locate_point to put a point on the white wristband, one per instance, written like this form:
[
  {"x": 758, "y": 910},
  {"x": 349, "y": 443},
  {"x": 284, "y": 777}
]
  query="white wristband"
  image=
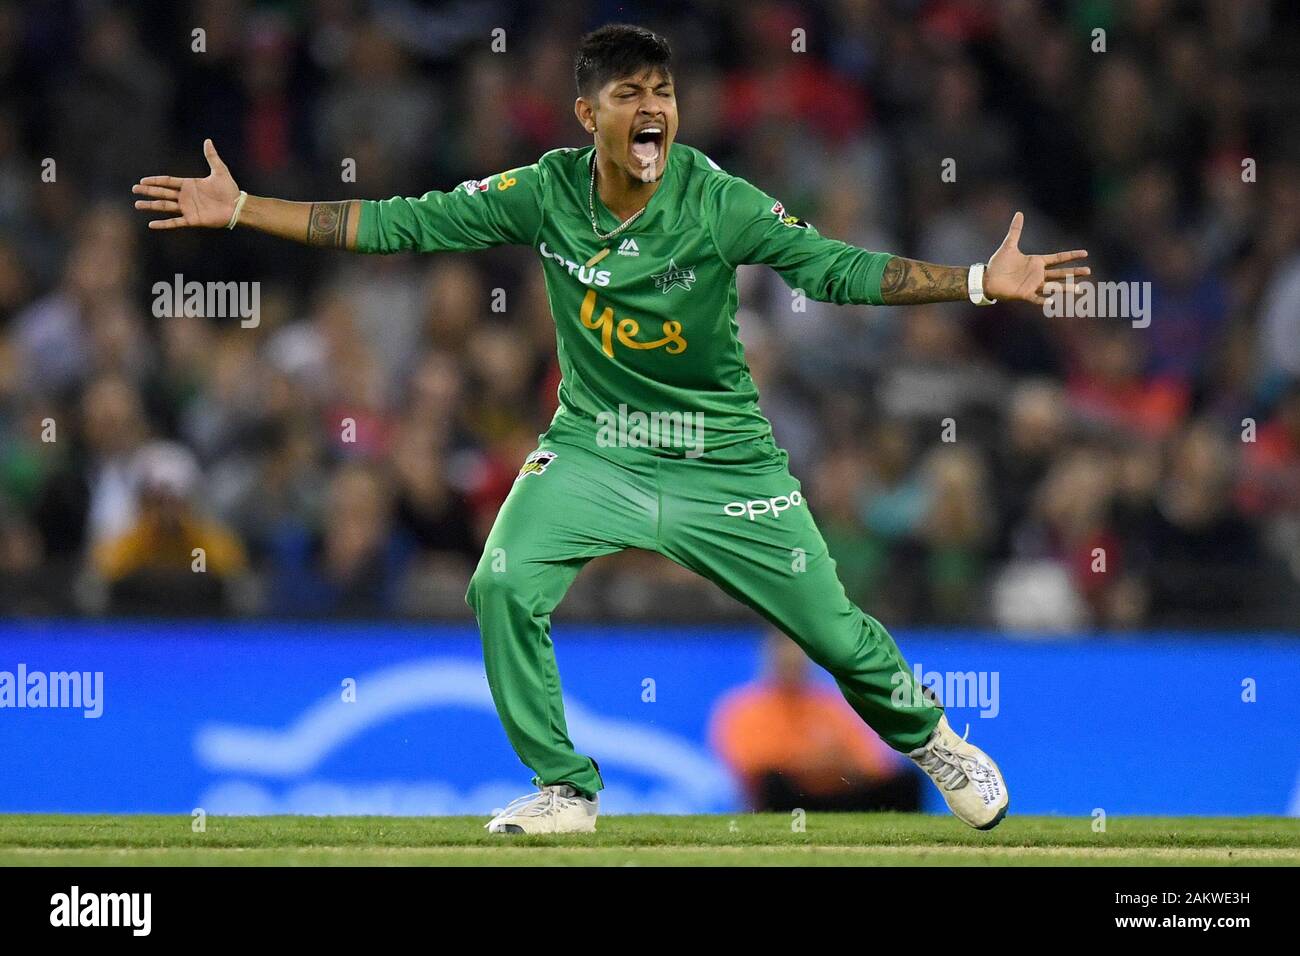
[
  {"x": 239, "y": 207},
  {"x": 975, "y": 285}
]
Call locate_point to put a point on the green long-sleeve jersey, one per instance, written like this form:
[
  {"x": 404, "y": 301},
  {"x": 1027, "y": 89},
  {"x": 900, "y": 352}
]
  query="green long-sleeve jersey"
[{"x": 645, "y": 321}]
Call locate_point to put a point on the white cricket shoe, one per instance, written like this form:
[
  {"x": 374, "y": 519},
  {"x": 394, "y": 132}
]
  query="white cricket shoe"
[
  {"x": 555, "y": 809},
  {"x": 968, "y": 779}
]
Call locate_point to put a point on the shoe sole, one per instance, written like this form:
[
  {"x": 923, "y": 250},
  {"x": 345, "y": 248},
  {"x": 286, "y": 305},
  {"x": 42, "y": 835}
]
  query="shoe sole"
[
  {"x": 1003, "y": 812},
  {"x": 512, "y": 829},
  {"x": 996, "y": 820}
]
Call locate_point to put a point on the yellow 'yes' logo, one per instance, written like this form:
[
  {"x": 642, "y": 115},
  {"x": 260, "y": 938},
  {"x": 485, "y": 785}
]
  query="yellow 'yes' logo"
[{"x": 626, "y": 330}]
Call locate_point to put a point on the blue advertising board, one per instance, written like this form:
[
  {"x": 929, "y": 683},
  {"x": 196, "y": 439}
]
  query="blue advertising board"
[{"x": 259, "y": 718}]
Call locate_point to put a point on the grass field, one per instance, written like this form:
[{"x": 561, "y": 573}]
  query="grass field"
[{"x": 740, "y": 840}]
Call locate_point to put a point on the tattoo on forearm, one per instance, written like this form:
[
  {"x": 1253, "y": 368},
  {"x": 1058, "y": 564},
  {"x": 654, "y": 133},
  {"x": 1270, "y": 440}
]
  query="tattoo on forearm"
[
  {"x": 327, "y": 224},
  {"x": 911, "y": 282}
]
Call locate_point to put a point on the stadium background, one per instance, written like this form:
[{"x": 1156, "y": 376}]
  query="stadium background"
[{"x": 1073, "y": 434}]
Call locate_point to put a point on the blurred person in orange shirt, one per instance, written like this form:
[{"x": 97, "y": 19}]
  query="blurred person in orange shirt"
[
  {"x": 155, "y": 565},
  {"x": 793, "y": 742}
]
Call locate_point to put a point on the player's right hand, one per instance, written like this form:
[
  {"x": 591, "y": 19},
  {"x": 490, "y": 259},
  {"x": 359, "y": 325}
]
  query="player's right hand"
[{"x": 207, "y": 202}]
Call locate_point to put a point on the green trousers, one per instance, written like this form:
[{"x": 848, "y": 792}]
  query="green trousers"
[{"x": 735, "y": 516}]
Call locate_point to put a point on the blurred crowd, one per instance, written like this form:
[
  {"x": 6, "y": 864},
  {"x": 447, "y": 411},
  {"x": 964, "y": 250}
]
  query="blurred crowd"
[{"x": 345, "y": 455}]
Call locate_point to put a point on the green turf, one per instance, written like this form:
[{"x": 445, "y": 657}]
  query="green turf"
[{"x": 739, "y": 840}]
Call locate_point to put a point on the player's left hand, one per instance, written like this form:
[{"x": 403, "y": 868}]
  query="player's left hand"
[{"x": 1013, "y": 275}]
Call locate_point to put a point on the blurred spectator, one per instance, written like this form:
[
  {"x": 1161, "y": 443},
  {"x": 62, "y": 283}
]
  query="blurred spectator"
[
  {"x": 793, "y": 742},
  {"x": 110, "y": 110},
  {"x": 957, "y": 533},
  {"x": 859, "y": 557},
  {"x": 1111, "y": 390},
  {"x": 353, "y": 565},
  {"x": 170, "y": 561},
  {"x": 1034, "y": 435},
  {"x": 89, "y": 495},
  {"x": 1270, "y": 476},
  {"x": 55, "y": 335},
  {"x": 1205, "y": 562}
]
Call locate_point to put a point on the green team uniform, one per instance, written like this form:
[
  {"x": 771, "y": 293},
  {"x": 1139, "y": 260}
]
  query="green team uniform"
[{"x": 658, "y": 442}]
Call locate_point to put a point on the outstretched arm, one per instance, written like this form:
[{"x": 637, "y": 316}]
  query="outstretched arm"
[
  {"x": 329, "y": 224},
  {"x": 751, "y": 227},
  {"x": 1010, "y": 275},
  {"x": 210, "y": 203},
  {"x": 479, "y": 213}
]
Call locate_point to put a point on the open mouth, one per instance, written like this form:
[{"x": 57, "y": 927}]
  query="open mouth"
[{"x": 648, "y": 145}]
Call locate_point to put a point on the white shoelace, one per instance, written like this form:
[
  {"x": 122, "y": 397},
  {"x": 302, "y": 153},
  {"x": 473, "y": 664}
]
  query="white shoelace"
[
  {"x": 944, "y": 767},
  {"x": 545, "y": 801},
  {"x": 949, "y": 769}
]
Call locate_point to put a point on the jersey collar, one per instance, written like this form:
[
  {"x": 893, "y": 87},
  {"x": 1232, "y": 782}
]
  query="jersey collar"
[{"x": 605, "y": 219}]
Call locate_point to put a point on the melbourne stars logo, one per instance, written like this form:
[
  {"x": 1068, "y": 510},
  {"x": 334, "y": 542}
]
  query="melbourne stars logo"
[{"x": 672, "y": 276}]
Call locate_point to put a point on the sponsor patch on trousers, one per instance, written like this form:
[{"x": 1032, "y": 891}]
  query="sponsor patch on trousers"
[{"x": 763, "y": 506}]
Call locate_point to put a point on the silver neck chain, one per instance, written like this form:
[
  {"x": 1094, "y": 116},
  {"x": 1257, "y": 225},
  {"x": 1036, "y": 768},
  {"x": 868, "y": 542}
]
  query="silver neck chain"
[{"x": 591, "y": 207}]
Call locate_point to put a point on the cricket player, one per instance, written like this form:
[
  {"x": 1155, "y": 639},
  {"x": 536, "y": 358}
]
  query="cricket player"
[{"x": 639, "y": 237}]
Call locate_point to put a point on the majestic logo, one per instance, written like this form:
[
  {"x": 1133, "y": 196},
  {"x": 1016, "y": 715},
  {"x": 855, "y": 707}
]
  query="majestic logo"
[
  {"x": 787, "y": 219},
  {"x": 628, "y": 247},
  {"x": 763, "y": 506},
  {"x": 505, "y": 181},
  {"x": 672, "y": 276},
  {"x": 627, "y": 330},
  {"x": 536, "y": 463}
]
